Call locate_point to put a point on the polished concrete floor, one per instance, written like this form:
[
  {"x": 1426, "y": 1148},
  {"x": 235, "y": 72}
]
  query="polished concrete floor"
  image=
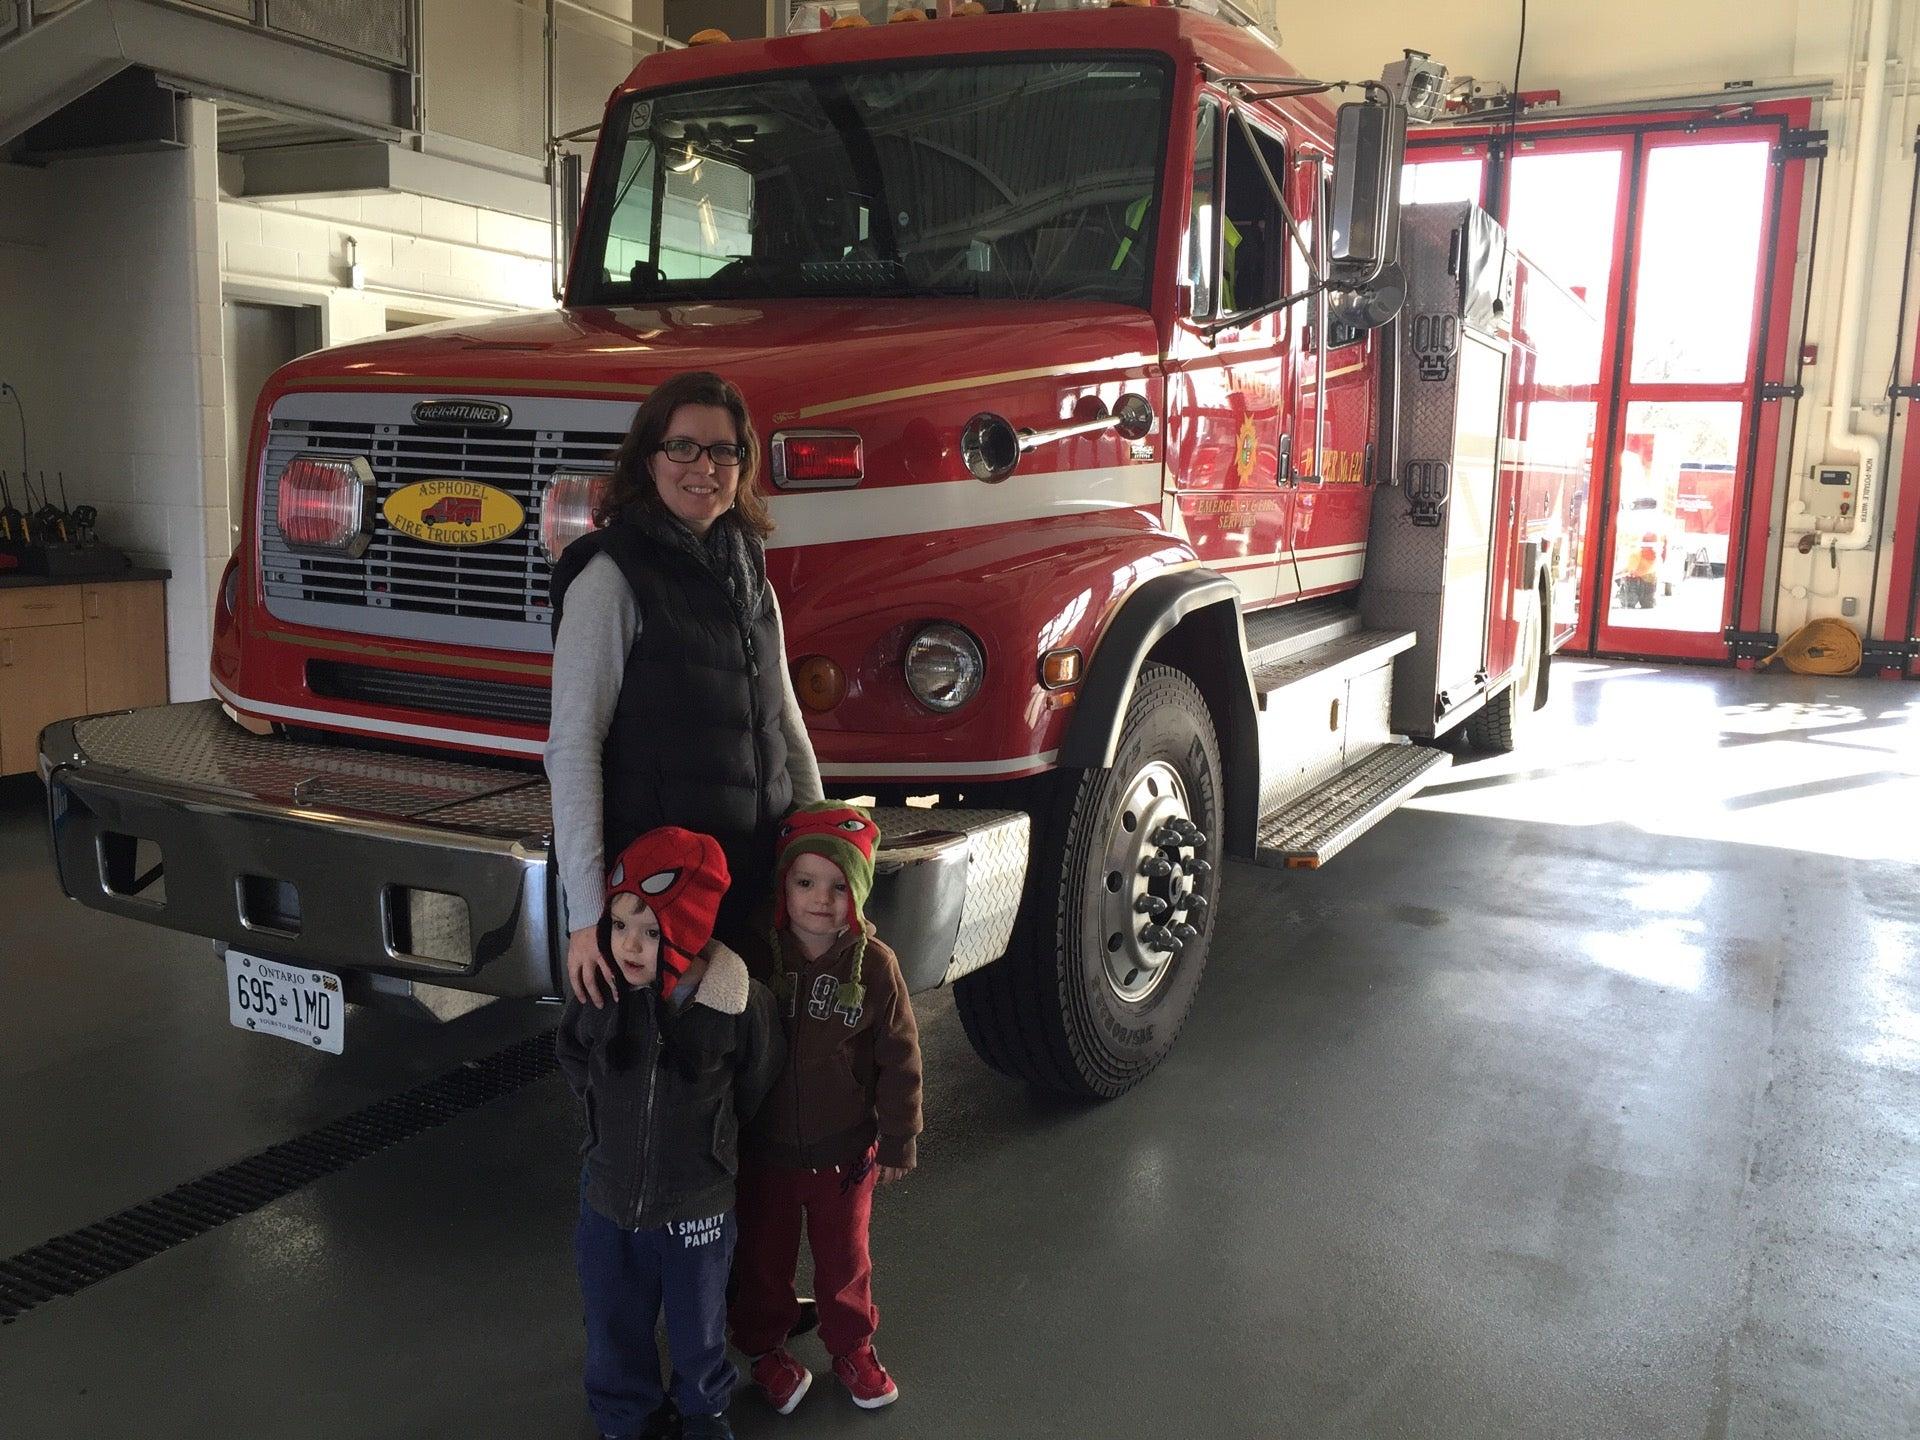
[{"x": 1582, "y": 1098}]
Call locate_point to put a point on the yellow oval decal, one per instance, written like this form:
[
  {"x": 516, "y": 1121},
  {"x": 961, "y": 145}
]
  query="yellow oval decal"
[{"x": 453, "y": 512}]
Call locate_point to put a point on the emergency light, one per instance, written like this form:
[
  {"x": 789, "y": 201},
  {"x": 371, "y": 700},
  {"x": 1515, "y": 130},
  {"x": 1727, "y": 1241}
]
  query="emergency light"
[
  {"x": 322, "y": 503},
  {"x": 567, "y": 508}
]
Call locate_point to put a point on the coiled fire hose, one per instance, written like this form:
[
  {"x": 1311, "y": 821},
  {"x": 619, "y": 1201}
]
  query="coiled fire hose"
[{"x": 1819, "y": 647}]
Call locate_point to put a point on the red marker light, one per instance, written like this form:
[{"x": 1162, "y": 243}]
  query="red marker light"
[{"x": 817, "y": 459}]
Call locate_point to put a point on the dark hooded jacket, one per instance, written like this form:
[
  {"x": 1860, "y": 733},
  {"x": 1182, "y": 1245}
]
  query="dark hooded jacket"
[
  {"x": 852, "y": 1076},
  {"x": 666, "y": 1087}
]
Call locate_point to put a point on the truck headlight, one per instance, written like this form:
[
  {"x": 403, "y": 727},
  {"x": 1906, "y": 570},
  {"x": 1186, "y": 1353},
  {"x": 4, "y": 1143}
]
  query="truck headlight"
[
  {"x": 322, "y": 503},
  {"x": 567, "y": 508},
  {"x": 944, "y": 667}
]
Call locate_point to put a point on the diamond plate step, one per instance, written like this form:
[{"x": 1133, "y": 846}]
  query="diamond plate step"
[
  {"x": 1352, "y": 653},
  {"x": 1323, "y": 822},
  {"x": 1280, "y": 632}
]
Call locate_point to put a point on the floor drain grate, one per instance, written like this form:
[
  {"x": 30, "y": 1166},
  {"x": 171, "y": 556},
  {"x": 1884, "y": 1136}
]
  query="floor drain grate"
[{"x": 71, "y": 1262}]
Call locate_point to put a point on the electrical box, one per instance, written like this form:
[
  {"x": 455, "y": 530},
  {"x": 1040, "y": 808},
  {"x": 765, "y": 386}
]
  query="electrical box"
[{"x": 1828, "y": 496}]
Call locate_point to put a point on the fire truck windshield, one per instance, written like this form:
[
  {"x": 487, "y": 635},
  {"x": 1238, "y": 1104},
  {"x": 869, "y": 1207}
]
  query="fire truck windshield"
[{"x": 1008, "y": 180}]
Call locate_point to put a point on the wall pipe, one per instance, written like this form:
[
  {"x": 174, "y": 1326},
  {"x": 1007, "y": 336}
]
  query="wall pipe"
[{"x": 1843, "y": 436}]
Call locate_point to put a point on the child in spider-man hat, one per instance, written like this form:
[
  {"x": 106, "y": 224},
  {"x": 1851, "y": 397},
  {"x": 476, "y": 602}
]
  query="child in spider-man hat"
[
  {"x": 844, "y": 1112},
  {"x": 666, "y": 1074}
]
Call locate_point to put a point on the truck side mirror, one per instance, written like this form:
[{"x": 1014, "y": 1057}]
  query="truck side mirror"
[
  {"x": 1364, "y": 228},
  {"x": 1370, "y": 306}
]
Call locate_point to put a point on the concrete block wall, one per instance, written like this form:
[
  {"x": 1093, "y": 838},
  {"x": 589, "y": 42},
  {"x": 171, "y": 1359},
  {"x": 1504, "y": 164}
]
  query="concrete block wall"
[
  {"x": 120, "y": 304},
  {"x": 410, "y": 247}
]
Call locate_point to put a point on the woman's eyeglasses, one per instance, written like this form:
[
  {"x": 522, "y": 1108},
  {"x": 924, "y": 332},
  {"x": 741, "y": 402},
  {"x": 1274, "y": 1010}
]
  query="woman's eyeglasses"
[{"x": 684, "y": 452}]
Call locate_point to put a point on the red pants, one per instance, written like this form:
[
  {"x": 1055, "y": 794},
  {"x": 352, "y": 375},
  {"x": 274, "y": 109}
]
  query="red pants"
[{"x": 837, "y": 1207}]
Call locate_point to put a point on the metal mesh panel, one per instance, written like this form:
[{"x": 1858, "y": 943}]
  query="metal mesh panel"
[
  {"x": 486, "y": 73},
  {"x": 590, "y": 58},
  {"x": 376, "y": 29}
]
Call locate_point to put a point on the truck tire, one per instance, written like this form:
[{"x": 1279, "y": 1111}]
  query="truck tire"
[
  {"x": 1090, "y": 996},
  {"x": 1498, "y": 725}
]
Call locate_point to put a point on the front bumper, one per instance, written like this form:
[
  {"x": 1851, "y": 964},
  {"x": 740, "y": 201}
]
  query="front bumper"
[{"x": 428, "y": 870}]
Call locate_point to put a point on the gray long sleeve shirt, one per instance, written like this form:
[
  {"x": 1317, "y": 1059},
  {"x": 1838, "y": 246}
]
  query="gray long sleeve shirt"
[{"x": 589, "y": 664}]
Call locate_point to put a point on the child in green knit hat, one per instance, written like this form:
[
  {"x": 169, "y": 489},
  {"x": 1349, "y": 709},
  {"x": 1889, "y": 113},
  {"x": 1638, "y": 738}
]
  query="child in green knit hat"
[{"x": 844, "y": 1114}]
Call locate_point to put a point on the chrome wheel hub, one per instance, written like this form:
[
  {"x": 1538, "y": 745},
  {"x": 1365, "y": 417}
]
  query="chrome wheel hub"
[{"x": 1149, "y": 883}]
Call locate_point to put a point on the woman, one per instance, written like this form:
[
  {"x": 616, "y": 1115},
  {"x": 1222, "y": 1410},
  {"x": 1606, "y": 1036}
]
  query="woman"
[{"x": 672, "y": 704}]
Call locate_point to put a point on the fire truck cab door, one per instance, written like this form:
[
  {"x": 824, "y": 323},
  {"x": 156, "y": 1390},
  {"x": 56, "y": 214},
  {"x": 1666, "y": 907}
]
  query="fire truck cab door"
[{"x": 1227, "y": 382}]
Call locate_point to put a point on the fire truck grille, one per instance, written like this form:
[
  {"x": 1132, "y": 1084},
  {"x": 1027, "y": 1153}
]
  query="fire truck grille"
[
  {"x": 478, "y": 699},
  {"x": 494, "y": 594}
]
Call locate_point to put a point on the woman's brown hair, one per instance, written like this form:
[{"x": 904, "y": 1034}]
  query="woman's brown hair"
[{"x": 632, "y": 487}]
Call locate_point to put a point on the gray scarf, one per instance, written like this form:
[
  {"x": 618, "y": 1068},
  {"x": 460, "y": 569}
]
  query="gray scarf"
[{"x": 729, "y": 552}]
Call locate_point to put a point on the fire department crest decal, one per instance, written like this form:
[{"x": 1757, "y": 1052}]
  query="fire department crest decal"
[
  {"x": 1246, "y": 451},
  {"x": 453, "y": 512}
]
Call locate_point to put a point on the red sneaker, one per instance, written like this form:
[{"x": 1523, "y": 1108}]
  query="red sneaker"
[
  {"x": 866, "y": 1379},
  {"x": 781, "y": 1378}
]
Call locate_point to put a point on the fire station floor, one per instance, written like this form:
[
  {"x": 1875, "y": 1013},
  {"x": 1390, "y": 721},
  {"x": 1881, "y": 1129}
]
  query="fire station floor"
[{"x": 1581, "y": 1098}]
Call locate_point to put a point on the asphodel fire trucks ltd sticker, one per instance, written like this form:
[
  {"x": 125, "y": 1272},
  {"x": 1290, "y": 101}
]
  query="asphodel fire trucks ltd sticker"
[{"x": 453, "y": 512}]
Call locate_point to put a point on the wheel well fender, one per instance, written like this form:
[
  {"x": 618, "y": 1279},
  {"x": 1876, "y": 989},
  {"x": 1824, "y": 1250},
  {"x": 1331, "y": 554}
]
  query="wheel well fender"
[{"x": 1189, "y": 619}]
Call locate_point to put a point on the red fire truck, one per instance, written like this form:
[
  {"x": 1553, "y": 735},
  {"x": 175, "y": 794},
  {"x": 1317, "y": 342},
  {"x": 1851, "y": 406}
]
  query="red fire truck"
[
  {"x": 1704, "y": 508},
  {"x": 1144, "y": 483},
  {"x": 453, "y": 510}
]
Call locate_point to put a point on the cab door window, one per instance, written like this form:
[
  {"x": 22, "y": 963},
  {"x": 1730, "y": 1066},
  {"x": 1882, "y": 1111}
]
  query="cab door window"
[
  {"x": 1254, "y": 236},
  {"x": 1203, "y": 234}
]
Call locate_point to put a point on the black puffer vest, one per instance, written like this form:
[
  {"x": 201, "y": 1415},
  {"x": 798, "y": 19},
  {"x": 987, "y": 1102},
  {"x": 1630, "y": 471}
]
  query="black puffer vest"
[{"x": 696, "y": 738}]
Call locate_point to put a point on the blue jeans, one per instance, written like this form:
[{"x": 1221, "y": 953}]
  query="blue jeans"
[{"x": 626, "y": 1277}]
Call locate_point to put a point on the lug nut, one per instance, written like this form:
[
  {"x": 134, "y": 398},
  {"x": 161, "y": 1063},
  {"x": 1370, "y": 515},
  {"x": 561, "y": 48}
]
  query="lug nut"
[
  {"x": 1168, "y": 835},
  {"x": 1184, "y": 932},
  {"x": 1157, "y": 937},
  {"x": 1195, "y": 906},
  {"x": 1198, "y": 867},
  {"x": 1155, "y": 868},
  {"x": 1150, "y": 905}
]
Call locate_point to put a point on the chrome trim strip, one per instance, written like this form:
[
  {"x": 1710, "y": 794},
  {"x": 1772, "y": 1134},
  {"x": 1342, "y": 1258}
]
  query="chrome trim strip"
[
  {"x": 388, "y": 728},
  {"x": 976, "y": 768}
]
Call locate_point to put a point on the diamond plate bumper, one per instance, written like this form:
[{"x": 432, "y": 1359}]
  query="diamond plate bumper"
[{"x": 429, "y": 870}]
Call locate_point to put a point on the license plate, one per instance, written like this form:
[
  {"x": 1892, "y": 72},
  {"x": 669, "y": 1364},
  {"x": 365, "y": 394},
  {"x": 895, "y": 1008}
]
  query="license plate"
[{"x": 291, "y": 1001}]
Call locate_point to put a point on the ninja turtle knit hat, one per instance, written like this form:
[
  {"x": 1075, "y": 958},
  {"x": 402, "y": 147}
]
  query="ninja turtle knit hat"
[
  {"x": 680, "y": 875},
  {"x": 845, "y": 835}
]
